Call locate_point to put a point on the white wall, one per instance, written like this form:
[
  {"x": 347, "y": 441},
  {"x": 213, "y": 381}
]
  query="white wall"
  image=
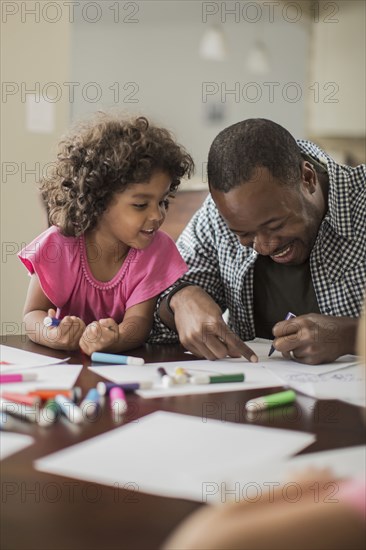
[
  {"x": 32, "y": 52},
  {"x": 338, "y": 107},
  {"x": 159, "y": 55}
]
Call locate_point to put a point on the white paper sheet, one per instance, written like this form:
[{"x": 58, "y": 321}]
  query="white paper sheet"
[
  {"x": 277, "y": 361},
  {"x": 256, "y": 376},
  {"x": 264, "y": 374},
  {"x": 262, "y": 478},
  {"x": 170, "y": 454},
  {"x": 20, "y": 360},
  {"x": 11, "y": 443},
  {"x": 347, "y": 384},
  {"x": 59, "y": 377}
]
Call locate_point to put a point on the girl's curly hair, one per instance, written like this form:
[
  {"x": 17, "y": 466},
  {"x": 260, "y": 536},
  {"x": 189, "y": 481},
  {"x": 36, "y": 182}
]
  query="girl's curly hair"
[{"x": 102, "y": 157}]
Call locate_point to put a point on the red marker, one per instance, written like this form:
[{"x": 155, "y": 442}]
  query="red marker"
[{"x": 21, "y": 398}]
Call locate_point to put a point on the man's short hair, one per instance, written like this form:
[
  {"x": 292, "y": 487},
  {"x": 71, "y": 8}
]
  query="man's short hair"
[{"x": 252, "y": 143}]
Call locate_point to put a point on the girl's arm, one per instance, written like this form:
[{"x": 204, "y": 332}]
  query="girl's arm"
[
  {"x": 106, "y": 335},
  {"x": 37, "y": 306}
]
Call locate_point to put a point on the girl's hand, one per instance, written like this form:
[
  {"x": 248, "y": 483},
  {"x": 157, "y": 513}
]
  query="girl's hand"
[
  {"x": 99, "y": 335},
  {"x": 67, "y": 334}
]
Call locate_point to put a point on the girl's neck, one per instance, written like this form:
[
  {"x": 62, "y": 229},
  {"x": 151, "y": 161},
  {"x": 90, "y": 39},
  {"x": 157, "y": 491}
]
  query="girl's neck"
[{"x": 105, "y": 258}]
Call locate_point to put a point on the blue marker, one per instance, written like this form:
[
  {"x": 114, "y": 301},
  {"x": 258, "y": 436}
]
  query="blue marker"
[
  {"x": 91, "y": 403},
  {"x": 51, "y": 322},
  {"x": 288, "y": 316},
  {"x": 116, "y": 359},
  {"x": 69, "y": 409}
]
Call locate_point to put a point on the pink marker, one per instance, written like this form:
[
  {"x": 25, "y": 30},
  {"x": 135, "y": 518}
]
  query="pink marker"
[
  {"x": 118, "y": 400},
  {"x": 25, "y": 377}
]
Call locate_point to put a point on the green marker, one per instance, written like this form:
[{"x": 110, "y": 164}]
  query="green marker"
[
  {"x": 218, "y": 379},
  {"x": 272, "y": 400},
  {"x": 49, "y": 414}
]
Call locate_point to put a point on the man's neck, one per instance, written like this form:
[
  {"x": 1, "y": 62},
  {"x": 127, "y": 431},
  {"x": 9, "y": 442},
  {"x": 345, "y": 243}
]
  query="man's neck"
[{"x": 324, "y": 186}]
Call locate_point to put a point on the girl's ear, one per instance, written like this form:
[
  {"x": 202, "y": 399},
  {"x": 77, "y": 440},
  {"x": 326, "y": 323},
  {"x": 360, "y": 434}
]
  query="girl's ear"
[{"x": 309, "y": 177}]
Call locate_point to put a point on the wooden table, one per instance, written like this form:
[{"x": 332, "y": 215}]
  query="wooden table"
[{"x": 45, "y": 512}]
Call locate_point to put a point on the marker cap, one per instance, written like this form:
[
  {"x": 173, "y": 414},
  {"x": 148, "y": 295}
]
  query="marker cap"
[{"x": 51, "y": 322}]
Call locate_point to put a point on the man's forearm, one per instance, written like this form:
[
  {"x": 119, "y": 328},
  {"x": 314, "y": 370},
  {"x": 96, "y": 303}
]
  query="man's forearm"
[
  {"x": 348, "y": 335},
  {"x": 166, "y": 314},
  {"x": 166, "y": 308}
]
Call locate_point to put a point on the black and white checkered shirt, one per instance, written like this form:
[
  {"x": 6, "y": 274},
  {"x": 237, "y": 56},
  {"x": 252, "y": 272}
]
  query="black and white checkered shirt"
[{"x": 225, "y": 269}]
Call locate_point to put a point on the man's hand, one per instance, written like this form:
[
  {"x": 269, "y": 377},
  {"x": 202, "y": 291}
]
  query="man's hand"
[
  {"x": 201, "y": 329},
  {"x": 314, "y": 339}
]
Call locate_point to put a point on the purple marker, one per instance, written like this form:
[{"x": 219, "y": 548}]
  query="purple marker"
[
  {"x": 51, "y": 322},
  {"x": 166, "y": 379},
  {"x": 104, "y": 388}
]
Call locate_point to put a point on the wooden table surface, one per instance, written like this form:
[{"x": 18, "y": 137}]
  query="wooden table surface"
[{"x": 45, "y": 512}]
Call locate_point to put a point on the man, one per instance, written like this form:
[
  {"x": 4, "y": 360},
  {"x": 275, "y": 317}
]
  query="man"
[{"x": 283, "y": 230}]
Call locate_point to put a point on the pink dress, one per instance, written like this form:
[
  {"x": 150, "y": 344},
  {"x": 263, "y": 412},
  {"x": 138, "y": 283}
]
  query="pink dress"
[{"x": 66, "y": 279}]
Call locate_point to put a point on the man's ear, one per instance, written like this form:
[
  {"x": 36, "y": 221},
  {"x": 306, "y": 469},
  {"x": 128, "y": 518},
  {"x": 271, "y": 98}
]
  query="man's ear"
[{"x": 309, "y": 177}]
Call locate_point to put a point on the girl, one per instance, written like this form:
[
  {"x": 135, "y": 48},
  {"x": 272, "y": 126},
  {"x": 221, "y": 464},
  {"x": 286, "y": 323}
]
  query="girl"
[{"x": 103, "y": 262}]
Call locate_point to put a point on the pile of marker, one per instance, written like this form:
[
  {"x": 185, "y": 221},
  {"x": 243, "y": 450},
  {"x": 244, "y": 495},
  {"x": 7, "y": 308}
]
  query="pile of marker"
[
  {"x": 44, "y": 407},
  {"x": 182, "y": 376}
]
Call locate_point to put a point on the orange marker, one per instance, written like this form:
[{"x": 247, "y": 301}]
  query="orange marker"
[{"x": 46, "y": 394}]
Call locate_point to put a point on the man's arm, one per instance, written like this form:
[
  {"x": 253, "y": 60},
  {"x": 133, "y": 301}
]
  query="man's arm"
[
  {"x": 201, "y": 328},
  {"x": 195, "y": 311},
  {"x": 166, "y": 313},
  {"x": 197, "y": 245}
]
